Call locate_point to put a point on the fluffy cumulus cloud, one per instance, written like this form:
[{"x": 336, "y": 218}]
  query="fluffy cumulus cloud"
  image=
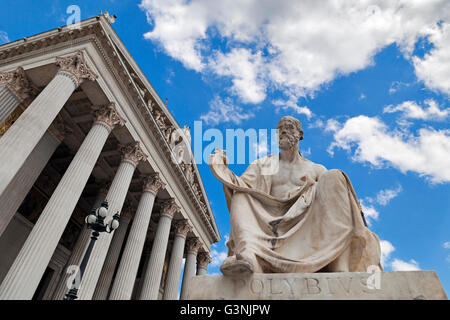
[
  {"x": 297, "y": 46},
  {"x": 395, "y": 264},
  {"x": 434, "y": 67},
  {"x": 400, "y": 265},
  {"x": 411, "y": 110},
  {"x": 385, "y": 196},
  {"x": 224, "y": 111},
  {"x": 370, "y": 140},
  {"x": 370, "y": 213}
]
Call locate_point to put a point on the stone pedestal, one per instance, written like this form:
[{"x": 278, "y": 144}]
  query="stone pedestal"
[{"x": 398, "y": 285}]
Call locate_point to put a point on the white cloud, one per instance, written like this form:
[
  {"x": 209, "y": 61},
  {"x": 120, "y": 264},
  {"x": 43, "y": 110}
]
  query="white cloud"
[
  {"x": 4, "y": 38},
  {"x": 434, "y": 68},
  {"x": 296, "y": 46},
  {"x": 384, "y": 196},
  {"x": 427, "y": 154},
  {"x": 369, "y": 212},
  {"x": 332, "y": 125},
  {"x": 307, "y": 152},
  {"x": 411, "y": 110},
  {"x": 400, "y": 265},
  {"x": 386, "y": 249},
  {"x": 446, "y": 245},
  {"x": 292, "y": 105},
  {"x": 224, "y": 111},
  {"x": 243, "y": 67},
  {"x": 217, "y": 257},
  {"x": 397, "y": 264},
  {"x": 396, "y": 85}
]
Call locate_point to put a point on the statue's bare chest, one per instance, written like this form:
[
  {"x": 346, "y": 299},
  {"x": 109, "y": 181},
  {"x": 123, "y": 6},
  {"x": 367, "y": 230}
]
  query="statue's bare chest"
[{"x": 289, "y": 176}]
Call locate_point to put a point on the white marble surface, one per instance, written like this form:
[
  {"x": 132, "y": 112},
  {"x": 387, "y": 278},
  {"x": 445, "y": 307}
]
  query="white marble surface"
[{"x": 398, "y": 285}]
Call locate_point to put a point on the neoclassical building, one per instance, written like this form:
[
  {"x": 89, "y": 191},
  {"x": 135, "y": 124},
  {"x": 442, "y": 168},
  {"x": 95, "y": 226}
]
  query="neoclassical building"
[{"x": 80, "y": 123}]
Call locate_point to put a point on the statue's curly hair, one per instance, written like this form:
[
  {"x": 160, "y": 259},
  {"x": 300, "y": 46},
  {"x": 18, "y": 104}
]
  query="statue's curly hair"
[{"x": 296, "y": 122}]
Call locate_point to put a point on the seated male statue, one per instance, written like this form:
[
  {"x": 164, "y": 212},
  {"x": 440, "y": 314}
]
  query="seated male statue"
[{"x": 290, "y": 215}]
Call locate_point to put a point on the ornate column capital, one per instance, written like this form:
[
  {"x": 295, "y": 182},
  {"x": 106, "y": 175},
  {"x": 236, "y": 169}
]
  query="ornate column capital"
[
  {"x": 108, "y": 116},
  {"x": 193, "y": 245},
  {"x": 203, "y": 259},
  {"x": 182, "y": 228},
  {"x": 58, "y": 129},
  {"x": 169, "y": 207},
  {"x": 153, "y": 183},
  {"x": 133, "y": 153},
  {"x": 18, "y": 83},
  {"x": 76, "y": 66}
]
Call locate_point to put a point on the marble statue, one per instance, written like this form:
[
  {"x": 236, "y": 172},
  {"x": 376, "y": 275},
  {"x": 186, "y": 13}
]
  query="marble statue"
[{"x": 295, "y": 217}]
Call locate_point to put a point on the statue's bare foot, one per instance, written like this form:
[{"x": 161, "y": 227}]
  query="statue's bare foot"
[{"x": 236, "y": 265}]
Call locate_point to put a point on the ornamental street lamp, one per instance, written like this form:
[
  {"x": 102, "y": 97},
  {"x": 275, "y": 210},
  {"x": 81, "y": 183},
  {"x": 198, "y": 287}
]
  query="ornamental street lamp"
[{"x": 96, "y": 222}]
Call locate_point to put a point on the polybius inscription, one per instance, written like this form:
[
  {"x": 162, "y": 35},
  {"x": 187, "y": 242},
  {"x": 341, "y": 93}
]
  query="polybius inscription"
[{"x": 329, "y": 286}]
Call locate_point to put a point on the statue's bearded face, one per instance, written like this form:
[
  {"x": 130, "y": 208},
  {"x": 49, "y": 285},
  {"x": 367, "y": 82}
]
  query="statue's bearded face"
[{"x": 288, "y": 134}]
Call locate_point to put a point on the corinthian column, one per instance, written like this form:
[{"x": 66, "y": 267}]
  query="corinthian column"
[
  {"x": 19, "y": 187},
  {"x": 192, "y": 245},
  {"x": 132, "y": 154},
  {"x": 78, "y": 250},
  {"x": 14, "y": 89},
  {"x": 104, "y": 281},
  {"x": 153, "y": 273},
  {"x": 22, "y": 137},
  {"x": 126, "y": 274},
  {"x": 182, "y": 228},
  {"x": 27, "y": 270},
  {"x": 202, "y": 264}
]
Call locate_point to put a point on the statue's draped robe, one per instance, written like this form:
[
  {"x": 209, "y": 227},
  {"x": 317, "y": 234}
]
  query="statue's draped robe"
[{"x": 317, "y": 223}]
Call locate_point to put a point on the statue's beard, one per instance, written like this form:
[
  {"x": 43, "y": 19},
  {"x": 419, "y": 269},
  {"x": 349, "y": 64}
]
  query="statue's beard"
[{"x": 287, "y": 142}]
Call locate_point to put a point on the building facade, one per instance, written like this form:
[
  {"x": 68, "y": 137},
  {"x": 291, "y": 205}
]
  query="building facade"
[{"x": 80, "y": 123}]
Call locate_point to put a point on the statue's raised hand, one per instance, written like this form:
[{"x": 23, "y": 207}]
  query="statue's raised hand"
[{"x": 218, "y": 158}]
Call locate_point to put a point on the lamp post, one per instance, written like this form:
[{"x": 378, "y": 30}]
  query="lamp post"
[{"x": 95, "y": 221}]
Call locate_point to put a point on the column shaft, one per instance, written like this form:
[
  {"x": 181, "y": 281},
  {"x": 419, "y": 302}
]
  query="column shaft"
[
  {"x": 189, "y": 272},
  {"x": 19, "y": 187},
  {"x": 8, "y": 103},
  {"x": 153, "y": 273},
  {"x": 77, "y": 255},
  {"x": 174, "y": 272},
  {"x": 201, "y": 271},
  {"x": 106, "y": 276},
  {"x": 19, "y": 141},
  {"x": 126, "y": 274},
  {"x": 116, "y": 197},
  {"x": 28, "y": 268}
]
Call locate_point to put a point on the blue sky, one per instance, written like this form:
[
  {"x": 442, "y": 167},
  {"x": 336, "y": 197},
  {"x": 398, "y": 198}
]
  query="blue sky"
[{"x": 369, "y": 81}]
